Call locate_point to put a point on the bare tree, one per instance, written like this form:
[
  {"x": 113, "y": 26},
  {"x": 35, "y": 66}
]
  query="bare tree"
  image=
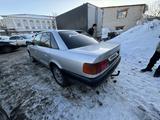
[{"x": 154, "y": 9}]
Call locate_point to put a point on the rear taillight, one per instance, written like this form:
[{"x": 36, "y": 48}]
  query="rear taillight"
[{"x": 96, "y": 68}]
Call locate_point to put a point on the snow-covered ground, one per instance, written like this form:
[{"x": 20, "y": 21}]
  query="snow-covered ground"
[{"x": 130, "y": 96}]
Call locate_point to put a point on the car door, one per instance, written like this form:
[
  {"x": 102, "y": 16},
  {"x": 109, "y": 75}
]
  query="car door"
[
  {"x": 45, "y": 47},
  {"x": 34, "y": 49}
]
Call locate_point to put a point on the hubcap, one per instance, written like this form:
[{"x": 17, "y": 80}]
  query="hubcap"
[{"x": 58, "y": 75}]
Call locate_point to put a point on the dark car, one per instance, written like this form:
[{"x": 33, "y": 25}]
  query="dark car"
[{"x": 7, "y": 46}]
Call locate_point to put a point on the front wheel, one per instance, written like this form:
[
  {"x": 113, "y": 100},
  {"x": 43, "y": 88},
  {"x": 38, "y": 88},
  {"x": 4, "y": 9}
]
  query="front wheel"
[
  {"x": 7, "y": 49},
  {"x": 31, "y": 58},
  {"x": 59, "y": 77}
]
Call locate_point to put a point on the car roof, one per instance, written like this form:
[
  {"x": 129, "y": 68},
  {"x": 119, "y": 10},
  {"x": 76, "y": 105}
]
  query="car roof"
[{"x": 68, "y": 30}]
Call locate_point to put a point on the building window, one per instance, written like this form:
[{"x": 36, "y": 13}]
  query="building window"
[
  {"x": 121, "y": 14},
  {"x": 33, "y": 27},
  {"x": 32, "y": 24},
  {"x": 25, "y": 23},
  {"x": 43, "y": 24},
  {"x": 19, "y": 24},
  {"x": 39, "y": 27},
  {"x": 38, "y": 24},
  {"x": 44, "y": 27},
  {"x": 26, "y": 27},
  {"x": 37, "y": 21},
  {"x": 119, "y": 27}
]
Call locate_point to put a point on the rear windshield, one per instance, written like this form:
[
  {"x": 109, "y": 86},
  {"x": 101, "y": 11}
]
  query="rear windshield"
[{"x": 73, "y": 39}]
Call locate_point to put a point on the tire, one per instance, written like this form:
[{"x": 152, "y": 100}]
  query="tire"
[
  {"x": 3, "y": 115},
  {"x": 7, "y": 49},
  {"x": 32, "y": 59},
  {"x": 59, "y": 76}
]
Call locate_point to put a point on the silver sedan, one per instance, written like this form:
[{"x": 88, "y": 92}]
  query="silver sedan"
[{"x": 72, "y": 55}]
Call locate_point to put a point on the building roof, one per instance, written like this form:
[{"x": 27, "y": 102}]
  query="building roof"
[
  {"x": 125, "y": 6},
  {"x": 27, "y": 15}
]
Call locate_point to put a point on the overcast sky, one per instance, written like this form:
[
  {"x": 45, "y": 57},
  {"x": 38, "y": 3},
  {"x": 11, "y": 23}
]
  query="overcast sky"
[{"x": 48, "y": 7}]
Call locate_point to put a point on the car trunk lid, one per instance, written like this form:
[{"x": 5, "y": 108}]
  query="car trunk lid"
[{"x": 103, "y": 50}]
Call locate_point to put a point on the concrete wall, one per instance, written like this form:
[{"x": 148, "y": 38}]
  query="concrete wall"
[{"x": 111, "y": 21}]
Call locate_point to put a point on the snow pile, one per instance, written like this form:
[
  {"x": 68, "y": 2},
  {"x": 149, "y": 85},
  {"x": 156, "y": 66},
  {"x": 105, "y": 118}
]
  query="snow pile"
[
  {"x": 137, "y": 46},
  {"x": 140, "y": 39}
]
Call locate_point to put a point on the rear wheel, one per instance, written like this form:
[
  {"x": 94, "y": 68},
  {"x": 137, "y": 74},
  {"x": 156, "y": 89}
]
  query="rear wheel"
[{"x": 59, "y": 77}]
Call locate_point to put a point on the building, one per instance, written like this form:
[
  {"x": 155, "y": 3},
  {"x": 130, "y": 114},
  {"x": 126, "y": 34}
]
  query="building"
[
  {"x": 81, "y": 18},
  {"x": 25, "y": 23},
  {"x": 122, "y": 17},
  {"x": 112, "y": 18},
  {"x": 2, "y": 31}
]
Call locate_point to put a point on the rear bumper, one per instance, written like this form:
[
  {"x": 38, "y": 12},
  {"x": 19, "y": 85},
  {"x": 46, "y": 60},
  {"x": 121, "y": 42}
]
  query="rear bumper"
[{"x": 97, "y": 80}]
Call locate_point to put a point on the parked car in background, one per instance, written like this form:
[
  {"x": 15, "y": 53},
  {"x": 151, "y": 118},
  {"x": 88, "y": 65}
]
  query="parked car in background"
[
  {"x": 4, "y": 38},
  {"x": 22, "y": 40},
  {"x": 72, "y": 55},
  {"x": 8, "y": 46}
]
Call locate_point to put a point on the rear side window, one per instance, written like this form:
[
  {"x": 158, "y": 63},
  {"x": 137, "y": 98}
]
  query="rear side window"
[
  {"x": 73, "y": 39},
  {"x": 53, "y": 42}
]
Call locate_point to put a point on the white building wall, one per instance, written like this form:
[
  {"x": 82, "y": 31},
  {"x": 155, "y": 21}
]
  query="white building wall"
[
  {"x": 22, "y": 23},
  {"x": 111, "y": 21}
]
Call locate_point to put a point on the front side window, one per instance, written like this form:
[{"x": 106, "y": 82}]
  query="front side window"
[
  {"x": 73, "y": 39},
  {"x": 45, "y": 40},
  {"x": 37, "y": 39}
]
